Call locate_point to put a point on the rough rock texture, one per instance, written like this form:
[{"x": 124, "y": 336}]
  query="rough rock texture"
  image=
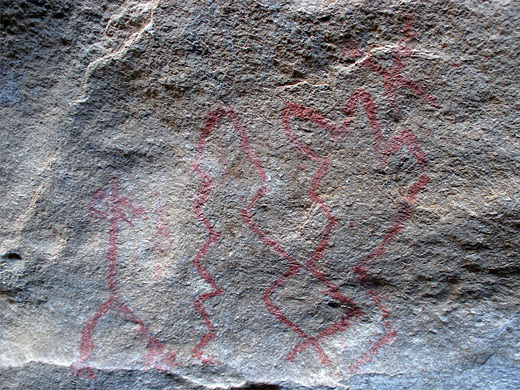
[{"x": 259, "y": 194}]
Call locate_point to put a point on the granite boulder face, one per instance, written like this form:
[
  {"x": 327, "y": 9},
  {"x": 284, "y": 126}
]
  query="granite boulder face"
[{"x": 259, "y": 195}]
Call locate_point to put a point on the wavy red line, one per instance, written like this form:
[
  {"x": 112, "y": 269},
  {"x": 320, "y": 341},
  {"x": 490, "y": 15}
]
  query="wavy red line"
[
  {"x": 205, "y": 188},
  {"x": 383, "y": 149}
]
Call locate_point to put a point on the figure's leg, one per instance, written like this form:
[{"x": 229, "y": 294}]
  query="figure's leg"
[
  {"x": 157, "y": 356},
  {"x": 87, "y": 343}
]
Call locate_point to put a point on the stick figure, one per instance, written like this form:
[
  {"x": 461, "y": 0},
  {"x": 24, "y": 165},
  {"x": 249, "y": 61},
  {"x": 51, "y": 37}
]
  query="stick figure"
[
  {"x": 393, "y": 77},
  {"x": 118, "y": 210}
]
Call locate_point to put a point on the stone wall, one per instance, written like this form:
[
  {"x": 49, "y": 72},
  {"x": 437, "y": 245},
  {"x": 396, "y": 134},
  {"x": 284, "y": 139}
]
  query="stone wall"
[{"x": 259, "y": 194}]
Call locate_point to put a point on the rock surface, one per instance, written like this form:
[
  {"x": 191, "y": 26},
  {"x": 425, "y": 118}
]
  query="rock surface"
[{"x": 259, "y": 194}]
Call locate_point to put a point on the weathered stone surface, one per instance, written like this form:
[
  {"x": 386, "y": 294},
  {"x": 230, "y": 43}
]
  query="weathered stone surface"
[{"x": 259, "y": 195}]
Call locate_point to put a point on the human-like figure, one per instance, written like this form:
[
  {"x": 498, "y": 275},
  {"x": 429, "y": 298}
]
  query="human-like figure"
[{"x": 118, "y": 209}]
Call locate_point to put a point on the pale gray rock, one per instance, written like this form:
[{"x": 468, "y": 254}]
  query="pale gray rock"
[{"x": 259, "y": 194}]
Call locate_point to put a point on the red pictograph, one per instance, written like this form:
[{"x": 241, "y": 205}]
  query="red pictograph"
[
  {"x": 393, "y": 77},
  {"x": 295, "y": 266},
  {"x": 212, "y": 122},
  {"x": 383, "y": 150},
  {"x": 162, "y": 235},
  {"x": 117, "y": 210}
]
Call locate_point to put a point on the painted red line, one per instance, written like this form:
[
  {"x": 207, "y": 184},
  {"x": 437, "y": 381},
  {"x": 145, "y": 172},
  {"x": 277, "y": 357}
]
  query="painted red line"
[
  {"x": 204, "y": 190},
  {"x": 157, "y": 355},
  {"x": 120, "y": 209},
  {"x": 87, "y": 343},
  {"x": 383, "y": 149},
  {"x": 315, "y": 117},
  {"x": 207, "y": 185},
  {"x": 393, "y": 78},
  {"x": 246, "y": 146},
  {"x": 294, "y": 266}
]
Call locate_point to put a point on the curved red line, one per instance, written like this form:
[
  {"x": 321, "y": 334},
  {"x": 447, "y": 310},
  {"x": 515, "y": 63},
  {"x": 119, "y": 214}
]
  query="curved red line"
[
  {"x": 203, "y": 192},
  {"x": 304, "y": 113},
  {"x": 382, "y": 149},
  {"x": 205, "y": 188}
]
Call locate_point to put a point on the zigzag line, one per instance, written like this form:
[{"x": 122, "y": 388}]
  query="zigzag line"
[
  {"x": 383, "y": 149},
  {"x": 205, "y": 187},
  {"x": 204, "y": 190}
]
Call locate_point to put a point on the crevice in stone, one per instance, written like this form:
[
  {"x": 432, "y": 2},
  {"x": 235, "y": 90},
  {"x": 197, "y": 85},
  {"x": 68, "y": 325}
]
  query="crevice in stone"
[{"x": 11, "y": 255}]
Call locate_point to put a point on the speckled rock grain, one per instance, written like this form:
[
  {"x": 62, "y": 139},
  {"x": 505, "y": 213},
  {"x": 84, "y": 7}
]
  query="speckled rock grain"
[{"x": 259, "y": 195}]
